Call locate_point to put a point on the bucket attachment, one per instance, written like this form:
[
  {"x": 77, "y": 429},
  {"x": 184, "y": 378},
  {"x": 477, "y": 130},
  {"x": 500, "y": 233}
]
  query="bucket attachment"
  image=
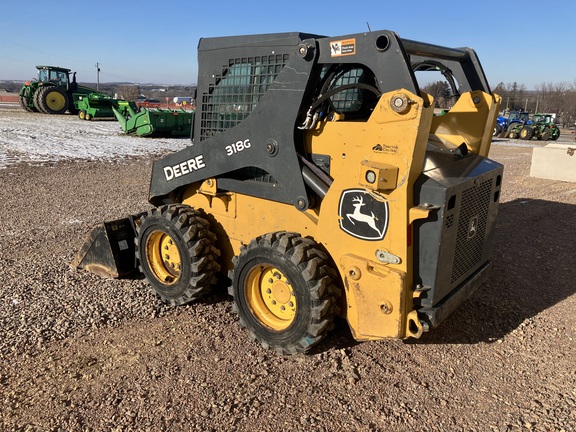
[{"x": 109, "y": 251}]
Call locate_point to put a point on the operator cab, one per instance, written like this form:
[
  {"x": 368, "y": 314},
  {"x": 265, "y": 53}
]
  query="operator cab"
[{"x": 54, "y": 75}]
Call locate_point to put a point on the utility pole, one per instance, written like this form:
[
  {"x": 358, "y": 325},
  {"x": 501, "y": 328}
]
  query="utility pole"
[{"x": 97, "y": 76}]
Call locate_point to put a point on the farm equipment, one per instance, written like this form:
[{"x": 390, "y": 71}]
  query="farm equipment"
[
  {"x": 321, "y": 183},
  {"x": 505, "y": 124},
  {"x": 164, "y": 122},
  {"x": 52, "y": 92},
  {"x": 542, "y": 127},
  {"x": 98, "y": 105}
]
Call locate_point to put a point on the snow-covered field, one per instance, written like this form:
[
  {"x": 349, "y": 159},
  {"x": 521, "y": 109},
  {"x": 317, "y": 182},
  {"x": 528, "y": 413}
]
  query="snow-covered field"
[{"x": 38, "y": 138}]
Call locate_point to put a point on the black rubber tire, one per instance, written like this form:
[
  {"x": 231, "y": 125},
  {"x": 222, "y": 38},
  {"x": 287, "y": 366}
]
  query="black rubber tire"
[
  {"x": 556, "y": 136},
  {"x": 82, "y": 115},
  {"x": 47, "y": 96},
  {"x": 526, "y": 133},
  {"x": 38, "y": 100},
  {"x": 24, "y": 104},
  {"x": 311, "y": 278},
  {"x": 510, "y": 133},
  {"x": 87, "y": 117},
  {"x": 497, "y": 130},
  {"x": 196, "y": 248}
]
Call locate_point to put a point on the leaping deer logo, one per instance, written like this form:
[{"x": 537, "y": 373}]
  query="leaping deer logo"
[
  {"x": 358, "y": 216},
  {"x": 362, "y": 215}
]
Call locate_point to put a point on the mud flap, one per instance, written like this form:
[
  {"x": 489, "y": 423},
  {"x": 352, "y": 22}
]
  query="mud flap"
[{"x": 109, "y": 250}]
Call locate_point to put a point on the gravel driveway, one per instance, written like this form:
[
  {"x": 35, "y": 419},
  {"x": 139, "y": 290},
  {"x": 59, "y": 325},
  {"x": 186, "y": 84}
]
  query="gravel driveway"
[{"x": 83, "y": 353}]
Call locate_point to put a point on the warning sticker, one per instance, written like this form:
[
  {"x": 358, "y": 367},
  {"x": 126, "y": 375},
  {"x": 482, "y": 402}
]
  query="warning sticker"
[{"x": 343, "y": 48}]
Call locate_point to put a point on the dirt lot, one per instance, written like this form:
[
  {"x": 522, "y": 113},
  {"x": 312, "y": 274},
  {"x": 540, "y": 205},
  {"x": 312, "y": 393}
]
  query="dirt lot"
[{"x": 83, "y": 353}]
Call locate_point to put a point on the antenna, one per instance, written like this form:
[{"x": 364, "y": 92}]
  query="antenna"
[{"x": 368, "y": 24}]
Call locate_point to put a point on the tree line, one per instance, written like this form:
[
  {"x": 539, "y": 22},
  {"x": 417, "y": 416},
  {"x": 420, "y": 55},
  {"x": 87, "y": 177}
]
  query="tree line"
[
  {"x": 558, "y": 98},
  {"x": 547, "y": 97}
]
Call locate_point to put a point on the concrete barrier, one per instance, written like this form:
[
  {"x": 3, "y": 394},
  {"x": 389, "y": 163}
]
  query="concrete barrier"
[{"x": 554, "y": 162}]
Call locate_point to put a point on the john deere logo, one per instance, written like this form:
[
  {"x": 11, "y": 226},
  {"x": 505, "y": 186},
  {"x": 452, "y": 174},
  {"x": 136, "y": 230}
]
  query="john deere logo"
[
  {"x": 362, "y": 216},
  {"x": 473, "y": 227}
]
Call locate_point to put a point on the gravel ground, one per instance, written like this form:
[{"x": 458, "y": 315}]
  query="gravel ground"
[{"x": 83, "y": 353}]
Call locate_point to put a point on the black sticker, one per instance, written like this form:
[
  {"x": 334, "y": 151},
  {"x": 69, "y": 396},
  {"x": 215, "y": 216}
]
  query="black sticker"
[{"x": 362, "y": 216}]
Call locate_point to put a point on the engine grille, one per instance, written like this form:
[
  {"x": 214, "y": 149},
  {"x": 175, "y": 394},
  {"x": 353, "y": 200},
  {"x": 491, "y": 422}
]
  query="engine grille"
[{"x": 471, "y": 229}]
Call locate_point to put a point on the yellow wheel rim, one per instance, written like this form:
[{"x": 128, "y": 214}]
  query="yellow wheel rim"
[
  {"x": 270, "y": 297},
  {"x": 55, "y": 101},
  {"x": 163, "y": 257}
]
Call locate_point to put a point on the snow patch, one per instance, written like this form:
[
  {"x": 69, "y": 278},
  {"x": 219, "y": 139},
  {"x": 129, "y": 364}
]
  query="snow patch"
[{"x": 39, "y": 138}]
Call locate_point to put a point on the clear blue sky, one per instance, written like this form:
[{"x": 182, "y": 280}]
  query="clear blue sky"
[{"x": 155, "y": 41}]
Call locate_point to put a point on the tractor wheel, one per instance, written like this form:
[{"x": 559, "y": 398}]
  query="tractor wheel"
[
  {"x": 87, "y": 117},
  {"x": 512, "y": 134},
  {"x": 526, "y": 133},
  {"x": 177, "y": 253},
  {"x": 497, "y": 130},
  {"x": 82, "y": 115},
  {"x": 24, "y": 104},
  {"x": 545, "y": 136},
  {"x": 38, "y": 100},
  {"x": 556, "y": 136},
  {"x": 283, "y": 292},
  {"x": 53, "y": 100}
]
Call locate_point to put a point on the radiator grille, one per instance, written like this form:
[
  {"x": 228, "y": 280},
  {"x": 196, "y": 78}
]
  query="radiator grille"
[
  {"x": 237, "y": 91},
  {"x": 471, "y": 229}
]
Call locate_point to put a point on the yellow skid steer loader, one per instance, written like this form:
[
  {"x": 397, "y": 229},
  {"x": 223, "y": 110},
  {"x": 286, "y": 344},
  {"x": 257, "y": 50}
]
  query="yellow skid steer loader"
[{"x": 323, "y": 182}]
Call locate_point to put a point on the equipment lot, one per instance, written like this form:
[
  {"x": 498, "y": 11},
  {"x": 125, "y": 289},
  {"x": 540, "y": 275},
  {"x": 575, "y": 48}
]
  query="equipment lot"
[{"x": 79, "y": 352}]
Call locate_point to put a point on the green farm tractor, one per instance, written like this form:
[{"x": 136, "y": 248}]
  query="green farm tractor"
[
  {"x": 52, "y": 92},
  {"x": 541, "y": 128}
]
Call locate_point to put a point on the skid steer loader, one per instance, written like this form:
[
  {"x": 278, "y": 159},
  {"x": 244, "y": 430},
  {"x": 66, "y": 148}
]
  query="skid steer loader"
[{"x": 321, "y": 181}]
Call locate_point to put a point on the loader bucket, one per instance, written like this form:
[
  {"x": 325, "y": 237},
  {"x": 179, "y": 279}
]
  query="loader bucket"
[{"x": 109, "y": 250}]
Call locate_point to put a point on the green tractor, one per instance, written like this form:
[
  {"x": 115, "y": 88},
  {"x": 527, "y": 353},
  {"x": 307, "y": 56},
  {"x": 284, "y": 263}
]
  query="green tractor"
[
  {"x": 52, "y": 92},
  {"x": 542, "y": 128}
]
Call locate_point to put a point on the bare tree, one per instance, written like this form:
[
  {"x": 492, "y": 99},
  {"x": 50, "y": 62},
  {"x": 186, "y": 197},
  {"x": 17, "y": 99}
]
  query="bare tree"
[
  {"x": 568, "y": 113},
  {"x": 551, "y": 96},
  {"x": 128, "y": 92},
  {"x": 559, "y": 98},
  {"x": 515, "y": 96},
  {"x": 441, "y": 92},
  {"x": 500, "y": 90}
]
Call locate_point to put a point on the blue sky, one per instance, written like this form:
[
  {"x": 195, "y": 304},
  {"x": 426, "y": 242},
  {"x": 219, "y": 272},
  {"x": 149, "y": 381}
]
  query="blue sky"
[{"x": 155, "y": 41}]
